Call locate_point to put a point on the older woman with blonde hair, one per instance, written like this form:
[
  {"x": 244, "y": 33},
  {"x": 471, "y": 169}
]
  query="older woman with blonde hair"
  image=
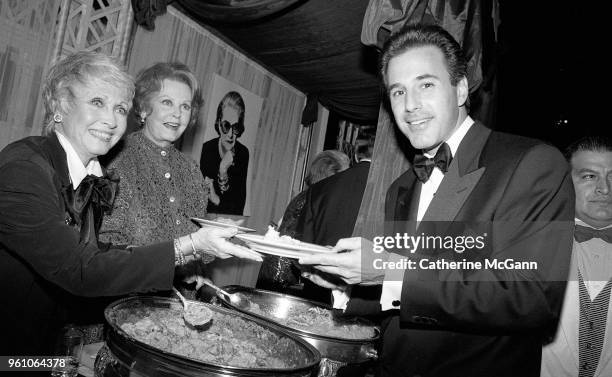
[{"x": 53, "y": 194}]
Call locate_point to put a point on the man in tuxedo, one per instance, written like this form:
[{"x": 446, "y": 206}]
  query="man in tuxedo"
[
  {"x": 454, "y": 321},
  {"x": 580, "y": 347}
]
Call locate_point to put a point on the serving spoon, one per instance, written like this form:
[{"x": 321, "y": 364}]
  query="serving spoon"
[
  {"x": 195, "y": 314},
  {"x": 236, "y": 299}
]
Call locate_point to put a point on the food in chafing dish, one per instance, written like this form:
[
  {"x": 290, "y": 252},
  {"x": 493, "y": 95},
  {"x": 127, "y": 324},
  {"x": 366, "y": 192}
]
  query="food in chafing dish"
[
  {"x": 316, "y": 320},
  {"x": 229, "y": 341},
  {"x": 197, "y": 315}
]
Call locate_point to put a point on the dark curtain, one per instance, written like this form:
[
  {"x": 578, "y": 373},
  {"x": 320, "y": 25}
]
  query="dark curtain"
[{"x": 473, "y": 23}]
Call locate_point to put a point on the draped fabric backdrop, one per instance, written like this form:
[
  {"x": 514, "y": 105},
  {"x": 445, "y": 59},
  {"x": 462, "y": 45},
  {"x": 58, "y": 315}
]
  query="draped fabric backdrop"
[
  {"x": 178, "y": 38},
  {"x": 389, "y": 161},
  {"x": 474, "y": 24},
  {"x": 26, "y": 39}
]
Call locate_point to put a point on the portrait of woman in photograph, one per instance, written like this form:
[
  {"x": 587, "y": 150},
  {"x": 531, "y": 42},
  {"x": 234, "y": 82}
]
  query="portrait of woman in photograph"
[{"x": 225, "y": 160}]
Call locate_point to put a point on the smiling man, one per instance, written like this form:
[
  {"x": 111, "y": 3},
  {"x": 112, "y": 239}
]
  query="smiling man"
[
  {"x": 580, "y": 347},
  {"x": 459, "y": 322}
]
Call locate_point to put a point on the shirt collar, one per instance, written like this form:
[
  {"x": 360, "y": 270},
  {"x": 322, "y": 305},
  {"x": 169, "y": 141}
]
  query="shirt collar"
[
  {"x": 455, "y": 139},
  {"x": 580, "y": 222},
  {"x": 76, "y": 169}
]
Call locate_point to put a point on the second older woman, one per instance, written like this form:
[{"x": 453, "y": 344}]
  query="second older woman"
[{"x": 161, "y": 188}]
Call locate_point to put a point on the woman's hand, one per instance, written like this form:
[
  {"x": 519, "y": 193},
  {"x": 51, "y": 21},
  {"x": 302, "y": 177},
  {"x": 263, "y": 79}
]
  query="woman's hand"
[
  {"x": 212, "y": 194},
  {"x": 199, "y": 280},
  {"x": 214, "y": 241},
  {"x": 226, "y": 162}
]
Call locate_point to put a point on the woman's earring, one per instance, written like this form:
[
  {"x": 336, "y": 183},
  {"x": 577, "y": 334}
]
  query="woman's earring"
[
  {"x": 57, "y": 118},
  {"x": 143, "y": 118}
]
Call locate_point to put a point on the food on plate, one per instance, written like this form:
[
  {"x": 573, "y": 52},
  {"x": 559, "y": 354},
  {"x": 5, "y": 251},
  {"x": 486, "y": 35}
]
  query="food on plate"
[
  {"x": 274, "y": 236},
  {"x": 229, "y": 341}
]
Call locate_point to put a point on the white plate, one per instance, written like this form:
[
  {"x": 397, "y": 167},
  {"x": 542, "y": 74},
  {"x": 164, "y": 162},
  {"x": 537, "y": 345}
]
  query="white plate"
[
  {"x": 219, "y": 224},
  {"x": 259, "y": 243}
]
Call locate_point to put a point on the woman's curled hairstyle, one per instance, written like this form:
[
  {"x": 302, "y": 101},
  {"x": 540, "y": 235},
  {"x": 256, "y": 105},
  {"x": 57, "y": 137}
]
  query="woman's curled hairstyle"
[
  {"x": 84, "y": 67},
  {"x": 149, "y": 82}
]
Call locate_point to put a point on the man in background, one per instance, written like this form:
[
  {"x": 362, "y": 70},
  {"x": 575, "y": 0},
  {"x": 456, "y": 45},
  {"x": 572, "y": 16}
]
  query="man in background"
[
  {"x": 580, "y": 347},
  {"x": 332, "y": 205}
]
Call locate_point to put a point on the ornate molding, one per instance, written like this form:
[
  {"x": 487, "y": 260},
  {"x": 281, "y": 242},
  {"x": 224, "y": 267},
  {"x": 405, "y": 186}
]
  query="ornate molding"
[{"x": 94, "y": 25}]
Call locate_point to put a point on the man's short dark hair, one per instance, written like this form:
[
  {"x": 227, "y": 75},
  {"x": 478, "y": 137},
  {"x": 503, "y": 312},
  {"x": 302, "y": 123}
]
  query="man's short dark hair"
[
  {"x": 417, "y": 35},
  {"x": 589, "y": 143}
]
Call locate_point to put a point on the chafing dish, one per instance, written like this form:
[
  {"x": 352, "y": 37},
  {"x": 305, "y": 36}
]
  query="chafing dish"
[
  {"x": 136, "y": 358},
  {"x": 336, "y": 352}
]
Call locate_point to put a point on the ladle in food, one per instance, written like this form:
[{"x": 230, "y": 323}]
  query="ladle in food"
[
  {"x": 195, "y": 314},
  {"x": 238, "y": 300}
]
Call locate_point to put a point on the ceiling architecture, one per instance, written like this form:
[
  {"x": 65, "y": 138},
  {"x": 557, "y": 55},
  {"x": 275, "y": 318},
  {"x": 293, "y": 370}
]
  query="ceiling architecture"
[{"x": 314, "y": 44}]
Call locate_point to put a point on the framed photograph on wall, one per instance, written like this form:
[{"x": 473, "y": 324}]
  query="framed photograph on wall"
[{"x": 224, "y": 147}]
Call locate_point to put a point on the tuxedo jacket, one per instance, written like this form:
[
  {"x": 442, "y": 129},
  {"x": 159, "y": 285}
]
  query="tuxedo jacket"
[
  {"x": 483, "y": 322},
  {"x": 329, "y": 214},
  {"x": 48, "y": 276},
  {"x": 332, "y": 206},
  {"x": 233, "y": 200}
]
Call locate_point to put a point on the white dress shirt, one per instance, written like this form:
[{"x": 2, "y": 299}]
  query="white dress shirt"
[
  {"x": 76, "y": 169},
  {"x": 392, "y": 289},
  {"x": 560, "y": 358}
]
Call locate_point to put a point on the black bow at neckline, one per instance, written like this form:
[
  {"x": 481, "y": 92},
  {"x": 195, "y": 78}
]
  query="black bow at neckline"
[
  {"x": 585, "y": 233},
  {"x": 96, "y": 191},
  {"x": 423, "y": 166}
]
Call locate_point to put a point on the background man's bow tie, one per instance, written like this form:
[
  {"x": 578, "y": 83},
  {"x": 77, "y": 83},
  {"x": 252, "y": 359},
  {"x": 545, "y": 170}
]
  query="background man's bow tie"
[
  {"x": 423, "y": 166},
  {"x": 585, "y": 233}
]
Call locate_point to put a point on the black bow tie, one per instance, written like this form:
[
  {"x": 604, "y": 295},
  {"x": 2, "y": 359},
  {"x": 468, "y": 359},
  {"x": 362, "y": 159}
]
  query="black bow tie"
[
  {"x": 423, "y": 166},
  {"x": 585, "y": 233},
  {"x": 97, "y": 191}
]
